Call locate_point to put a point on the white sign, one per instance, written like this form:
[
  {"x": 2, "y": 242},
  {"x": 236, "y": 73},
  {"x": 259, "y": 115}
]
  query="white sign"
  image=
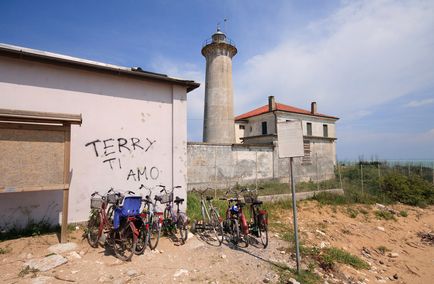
[{"x": 290, "y": 139}]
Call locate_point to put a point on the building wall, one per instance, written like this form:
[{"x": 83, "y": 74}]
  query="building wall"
[
  {"x": 148, "y": 116},
  {"x": 222, "y": 165}
]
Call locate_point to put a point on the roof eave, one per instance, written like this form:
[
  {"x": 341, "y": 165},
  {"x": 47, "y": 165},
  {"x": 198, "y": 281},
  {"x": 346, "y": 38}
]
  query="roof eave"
[{"x": 47, "y": 57}]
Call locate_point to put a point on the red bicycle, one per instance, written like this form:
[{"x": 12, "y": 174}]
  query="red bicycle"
[{"x": 112, "y": 221}]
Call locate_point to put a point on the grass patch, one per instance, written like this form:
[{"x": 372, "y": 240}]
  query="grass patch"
[
  {"x": 352, "y": 212},
  {"x": 386, "y": 215},
  {"x": 403, "y": 213},
  {"x": 332, "y": 255},
  {"x": 286, "y": 273},
  {"x": 5, "y": 250},
  {"x": 383, "y": 249}
]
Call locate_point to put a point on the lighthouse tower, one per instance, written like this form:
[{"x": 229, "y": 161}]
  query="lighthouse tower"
[{"x": 218, "y": 126}]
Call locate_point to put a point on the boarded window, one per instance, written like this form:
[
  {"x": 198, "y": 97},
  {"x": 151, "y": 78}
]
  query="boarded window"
[
  {"x": 307, "y": 153},
  {"x": 264, "y": 127},
  {"x": 309, "y": 128},
  {"x": 325, "y": 130}
]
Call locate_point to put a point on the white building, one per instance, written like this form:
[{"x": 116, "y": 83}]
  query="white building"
[{"x": 133, "y": 131}]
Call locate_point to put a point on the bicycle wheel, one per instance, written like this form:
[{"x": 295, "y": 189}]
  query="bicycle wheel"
[
  {"x": 142, "y": 240},
  {"x": 217, "y": 226},
  {"x": 235, "y": 232},
  {"x": 124, "y": 243},
  {"x": 263, "y": 234},
  {"x": 93, "y": 228},
  {"x": 263, "y": 229},
  {"x": 154, "y": 232},
  {"x": 182, "y": 227},
  {"x": 167, "y": 222}
]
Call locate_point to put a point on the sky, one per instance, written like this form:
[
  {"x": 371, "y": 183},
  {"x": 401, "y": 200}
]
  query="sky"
[{"x": 370, "y": 63}]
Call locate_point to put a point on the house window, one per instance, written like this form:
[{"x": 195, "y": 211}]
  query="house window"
[
  {"x": 307, "y": 157},
  {"x": 325, "y": 130},
  {"x": 242, "y": 127},
  {"x": 251, "y": 129},
  {"x": 264, "y": 127},
  {"x": 309, "y": 128}
]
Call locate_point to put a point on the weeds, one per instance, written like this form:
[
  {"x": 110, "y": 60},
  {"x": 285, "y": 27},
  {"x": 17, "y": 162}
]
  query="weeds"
[
  {"x": 5, "y": 250},
  {"x": 27, "y": 270},
  {"x": 386, "y": 215},
  {"x": 31, "y": 229},
  {"x": 383, "y": 249},
  {"x": 338, "y": 255},
  {"x": 352, "y": 212},
  {"x": 403, "y": 213},
  {"x": 305, "y": 276}
]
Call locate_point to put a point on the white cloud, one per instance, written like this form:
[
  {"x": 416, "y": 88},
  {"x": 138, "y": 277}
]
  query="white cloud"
[
  {"x": 365, "y": 54},
  {"x": 418, "y": 103}
]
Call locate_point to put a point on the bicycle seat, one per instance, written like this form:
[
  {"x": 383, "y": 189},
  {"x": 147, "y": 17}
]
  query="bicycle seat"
[
  {"x": 209, "y": 198},
  {"x": 178, "y": 200},
  {"x": 257, "y": 202}
]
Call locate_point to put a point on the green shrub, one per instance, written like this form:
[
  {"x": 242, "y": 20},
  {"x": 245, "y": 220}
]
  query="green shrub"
[
  {"x": 403, "y": 213},
  {"x": 411, "y": 190},
  {"x": 386, "y": 215},
  {"x": 352, "y": 212},
  {"x": 332, "y": 255}
]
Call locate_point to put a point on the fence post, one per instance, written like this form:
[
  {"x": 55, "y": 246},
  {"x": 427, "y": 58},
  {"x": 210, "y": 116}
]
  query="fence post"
[
  {"x": 361, "y": 175},
  {"x": 340, "y": 176}
]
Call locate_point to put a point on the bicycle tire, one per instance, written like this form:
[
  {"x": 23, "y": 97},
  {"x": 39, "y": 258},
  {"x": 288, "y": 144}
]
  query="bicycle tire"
[
  {"x": 124, "y": 243},
  {"x": 93, "y": 228},
  {"x": 167, "y": 221},
  {"x": 263, "y": 235},
  {"x": 154, "y": 232},
  {"x": 235, "y": 232},
  {"x": 182, "y": 227},
  {"x": 217, "y": 226},
  {"x": 142, "y": 240}
]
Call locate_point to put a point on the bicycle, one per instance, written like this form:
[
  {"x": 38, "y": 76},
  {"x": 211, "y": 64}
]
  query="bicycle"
[
  {"x": 149, "y": 225},
  {"x": 120, "y": 232},
  {"x": 258, "y": 225},
  {"x": 235, "y": 223},
  {"x": 173, "y": 221},
  {"x": 210, "y": 222}
]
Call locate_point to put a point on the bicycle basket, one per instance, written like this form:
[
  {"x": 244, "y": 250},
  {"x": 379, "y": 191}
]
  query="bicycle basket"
[
  {"x": 250, "y": 198},
  {"x": 113, "y": 198},
  {"x": 96, "y": 203},
  {"x": 166, "y": 198}
]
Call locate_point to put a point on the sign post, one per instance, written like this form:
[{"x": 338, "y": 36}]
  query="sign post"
[{"x": 290, "y": 142}]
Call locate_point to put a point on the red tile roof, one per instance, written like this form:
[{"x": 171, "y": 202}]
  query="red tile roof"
[{"x": 281, "y": 107}]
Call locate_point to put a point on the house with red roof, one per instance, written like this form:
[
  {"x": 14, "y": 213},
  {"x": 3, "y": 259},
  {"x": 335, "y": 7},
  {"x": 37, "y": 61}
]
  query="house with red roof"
[{"x": 258, "y": 126}]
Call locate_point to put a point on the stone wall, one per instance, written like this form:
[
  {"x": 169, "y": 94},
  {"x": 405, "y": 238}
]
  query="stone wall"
[{"x": 223, "y": 165}]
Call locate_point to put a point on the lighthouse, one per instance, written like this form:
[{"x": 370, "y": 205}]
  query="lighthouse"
[{"x": 218, "y": 126}]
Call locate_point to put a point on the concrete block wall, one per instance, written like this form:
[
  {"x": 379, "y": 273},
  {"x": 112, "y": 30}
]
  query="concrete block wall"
[{"x": 223, "y": 165}]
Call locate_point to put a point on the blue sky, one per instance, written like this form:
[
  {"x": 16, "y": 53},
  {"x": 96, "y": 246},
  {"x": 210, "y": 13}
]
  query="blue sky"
[{"x": 371, "y": 63}]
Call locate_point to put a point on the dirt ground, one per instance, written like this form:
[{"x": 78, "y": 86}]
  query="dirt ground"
[{"x": 405, "y": 256}]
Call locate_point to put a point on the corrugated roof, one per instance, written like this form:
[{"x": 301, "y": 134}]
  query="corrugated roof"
[
  {"x": 280, "y": 107},
  {"x": 49, "y": 57}
]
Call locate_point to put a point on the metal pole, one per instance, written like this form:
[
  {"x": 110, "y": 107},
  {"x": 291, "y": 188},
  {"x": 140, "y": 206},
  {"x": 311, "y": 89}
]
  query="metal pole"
[
  {"x": 294, "y": 210},
  {"x": 340, "y": 176}
]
